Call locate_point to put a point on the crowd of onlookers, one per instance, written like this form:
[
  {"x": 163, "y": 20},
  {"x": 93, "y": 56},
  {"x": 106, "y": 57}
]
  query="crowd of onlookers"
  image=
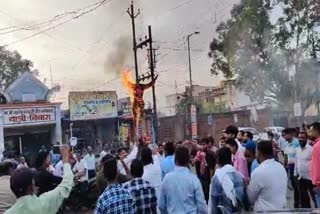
[{"x": 234, "y": 174}]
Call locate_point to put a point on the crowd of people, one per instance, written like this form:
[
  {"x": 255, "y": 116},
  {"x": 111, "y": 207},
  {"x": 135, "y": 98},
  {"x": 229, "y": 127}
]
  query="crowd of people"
[{"x": 233, "y": 175}]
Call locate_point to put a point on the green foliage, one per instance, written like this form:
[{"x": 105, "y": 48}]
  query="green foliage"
[
  {"x": 12, "y": 65},
  {"x": 184, "y": 106},
  {"x": 259, "y": 52}
]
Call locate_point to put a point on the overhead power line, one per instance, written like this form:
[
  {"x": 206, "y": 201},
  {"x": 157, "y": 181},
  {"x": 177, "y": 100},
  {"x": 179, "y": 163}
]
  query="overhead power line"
[
  {"x": 14, "y": 28},
  {"x": 97, "y": 5}
]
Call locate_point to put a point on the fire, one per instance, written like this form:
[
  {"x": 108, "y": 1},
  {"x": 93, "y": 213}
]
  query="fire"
[
  {"x": 132, "y": 87},
  {"x": 136, "y": 96},
  {"x": 128, "y": 83}
]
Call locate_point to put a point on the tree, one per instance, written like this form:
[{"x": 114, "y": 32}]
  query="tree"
[
  {"x": 259, "y": 52},
  {"x": 184, "y": 105},
  {"x": 12, "y": 65}
]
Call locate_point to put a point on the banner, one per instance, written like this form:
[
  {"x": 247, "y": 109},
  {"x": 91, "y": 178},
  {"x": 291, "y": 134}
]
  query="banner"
[
  {"x": 194, "y": 127},
  {"x": 124, "y": 106},
  {"x": 93, "y": 105},
  {"x": 29, "y": 115}
]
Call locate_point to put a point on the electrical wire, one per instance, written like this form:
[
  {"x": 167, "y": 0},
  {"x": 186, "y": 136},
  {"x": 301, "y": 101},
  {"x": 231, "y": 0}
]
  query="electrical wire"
[
  {"x": 59, "y": 24},
  {"x": 47, "y": 22}
]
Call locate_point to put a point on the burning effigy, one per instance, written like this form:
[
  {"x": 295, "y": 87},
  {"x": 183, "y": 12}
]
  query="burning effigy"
[{"x": 136, "y": 91}]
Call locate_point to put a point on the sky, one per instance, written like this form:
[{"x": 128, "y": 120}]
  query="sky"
[{"x": 76, "y": 55}]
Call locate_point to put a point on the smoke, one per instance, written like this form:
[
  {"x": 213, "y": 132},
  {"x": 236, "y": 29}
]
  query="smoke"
[{"x": 118, "y": 56}]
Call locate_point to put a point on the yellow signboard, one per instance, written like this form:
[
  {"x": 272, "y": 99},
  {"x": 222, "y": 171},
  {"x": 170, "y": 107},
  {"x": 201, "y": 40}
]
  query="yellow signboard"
[{"x": 93, "y": 105}]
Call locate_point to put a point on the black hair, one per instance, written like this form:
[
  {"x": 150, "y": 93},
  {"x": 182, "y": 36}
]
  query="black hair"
[
  {"x": 136, "y": 168},
  {"x": 316, "y": 126},
  {"x": 105, "y": 158},
  {"x": 222, "y": 138},
  {"x": 249, "y": 134},
  {"x": 241, "y": 132},
  {"x": 182, "y": 156},
  {"x": 122, "y": 149},
  {"x": 232, "y": 142},
  {"x": 193, "y": 152},
  {"x": 21, "y": 180},
  {"x": 141, "y": 141},
  {"x": 211, "y": 140},
  {"x": 270, "y": 134},
  {"x": 211, "y": 159},
  {"x": 288, "y": 131},
  {"x": 110, "y": 169},
  {"x": 205, "y": 140},
  {"x": 265, "y": 147},
  {"x": 42, "y": 156},
  {"x": 303, "y": 132},
  {"x": 6, "y": 167},
  {"x": 232, "y": 130},
  {"x": 146, "y": 156},
  {"x": 169, "y": 148},
  {"x": 224, "y": 156}
]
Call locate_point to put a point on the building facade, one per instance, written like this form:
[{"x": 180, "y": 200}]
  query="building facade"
[{"x": 28, "y": 120}]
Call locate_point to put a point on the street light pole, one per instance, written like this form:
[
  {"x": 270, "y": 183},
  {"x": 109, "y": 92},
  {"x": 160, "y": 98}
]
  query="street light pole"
[
  {"x": 191, "y": 85},
  {"x": 189, "y": 56}
]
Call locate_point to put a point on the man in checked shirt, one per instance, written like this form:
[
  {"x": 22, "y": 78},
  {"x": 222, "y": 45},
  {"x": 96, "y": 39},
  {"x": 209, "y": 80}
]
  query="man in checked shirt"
[
  {"x": 115, "y": 199},
  {"x": 141, "y": 190}
]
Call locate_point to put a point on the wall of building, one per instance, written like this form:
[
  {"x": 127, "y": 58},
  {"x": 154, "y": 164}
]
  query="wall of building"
[{"x": 173, "y": 128}]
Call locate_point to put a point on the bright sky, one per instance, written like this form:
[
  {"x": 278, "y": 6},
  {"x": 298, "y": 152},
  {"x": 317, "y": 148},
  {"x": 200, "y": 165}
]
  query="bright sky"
[{"x": 78, "y": 50}]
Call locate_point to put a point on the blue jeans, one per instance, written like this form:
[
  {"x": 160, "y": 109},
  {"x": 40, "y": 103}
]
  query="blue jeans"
[{"x": 317, "y": 194}]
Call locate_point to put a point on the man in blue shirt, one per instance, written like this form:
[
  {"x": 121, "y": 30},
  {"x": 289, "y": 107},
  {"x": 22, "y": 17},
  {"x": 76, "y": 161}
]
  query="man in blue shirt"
[
  {"x": 250, "y": 154},
  {"x": 290, "y": 158},
  {"x": 181, "y": 191},
  {"x": 168, "y": 165},
  {"x": 227, "y": 193}
]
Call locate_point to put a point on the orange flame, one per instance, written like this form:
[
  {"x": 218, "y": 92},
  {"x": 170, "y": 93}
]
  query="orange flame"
[{"x": 128, "y": 83}]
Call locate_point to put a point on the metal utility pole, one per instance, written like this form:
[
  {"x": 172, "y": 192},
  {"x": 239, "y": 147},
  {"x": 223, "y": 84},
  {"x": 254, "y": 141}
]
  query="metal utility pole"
[
  {"x": 133, "y": 16},
  {"x": 189, "y": 56},
  {"x": 148, "y": 40},
  {"x": 191, "y": 85},
  {"x": 152, "y": 66}
]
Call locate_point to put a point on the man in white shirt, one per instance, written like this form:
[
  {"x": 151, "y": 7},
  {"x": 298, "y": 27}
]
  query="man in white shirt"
[
  {"x": 58, "y": 170},
  {"x": 302, "y": 171},
  {"x": 125, "y": 159},
  {"x": 151, "y": 169},
  {"x": 104, "y": 152},
  {"x": 161, "y": 155},
  {"x": 91, "y": 163},
  {"x": 268, "y": 185},
  {"x": 81, "y": 174}
]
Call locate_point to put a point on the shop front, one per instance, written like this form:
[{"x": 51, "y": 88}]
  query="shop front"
[
  {"x": 28, "y": 120},
  {"x": 92, "y": 119},
  {"x": 25, "y": 128}
]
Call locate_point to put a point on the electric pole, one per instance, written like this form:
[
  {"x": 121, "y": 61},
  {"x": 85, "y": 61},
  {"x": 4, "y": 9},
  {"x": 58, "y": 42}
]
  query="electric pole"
[
  {"x": 189, "y": 59},
  {"x": 146, "y": 42},
  {"x": 133, "y": 16},
  {"x": 152, "y": 66},
  {"x": 191, "y": 85}
]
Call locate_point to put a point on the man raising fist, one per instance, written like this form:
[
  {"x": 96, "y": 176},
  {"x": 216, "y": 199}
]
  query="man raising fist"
[{"x": 22, "y": 185}]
